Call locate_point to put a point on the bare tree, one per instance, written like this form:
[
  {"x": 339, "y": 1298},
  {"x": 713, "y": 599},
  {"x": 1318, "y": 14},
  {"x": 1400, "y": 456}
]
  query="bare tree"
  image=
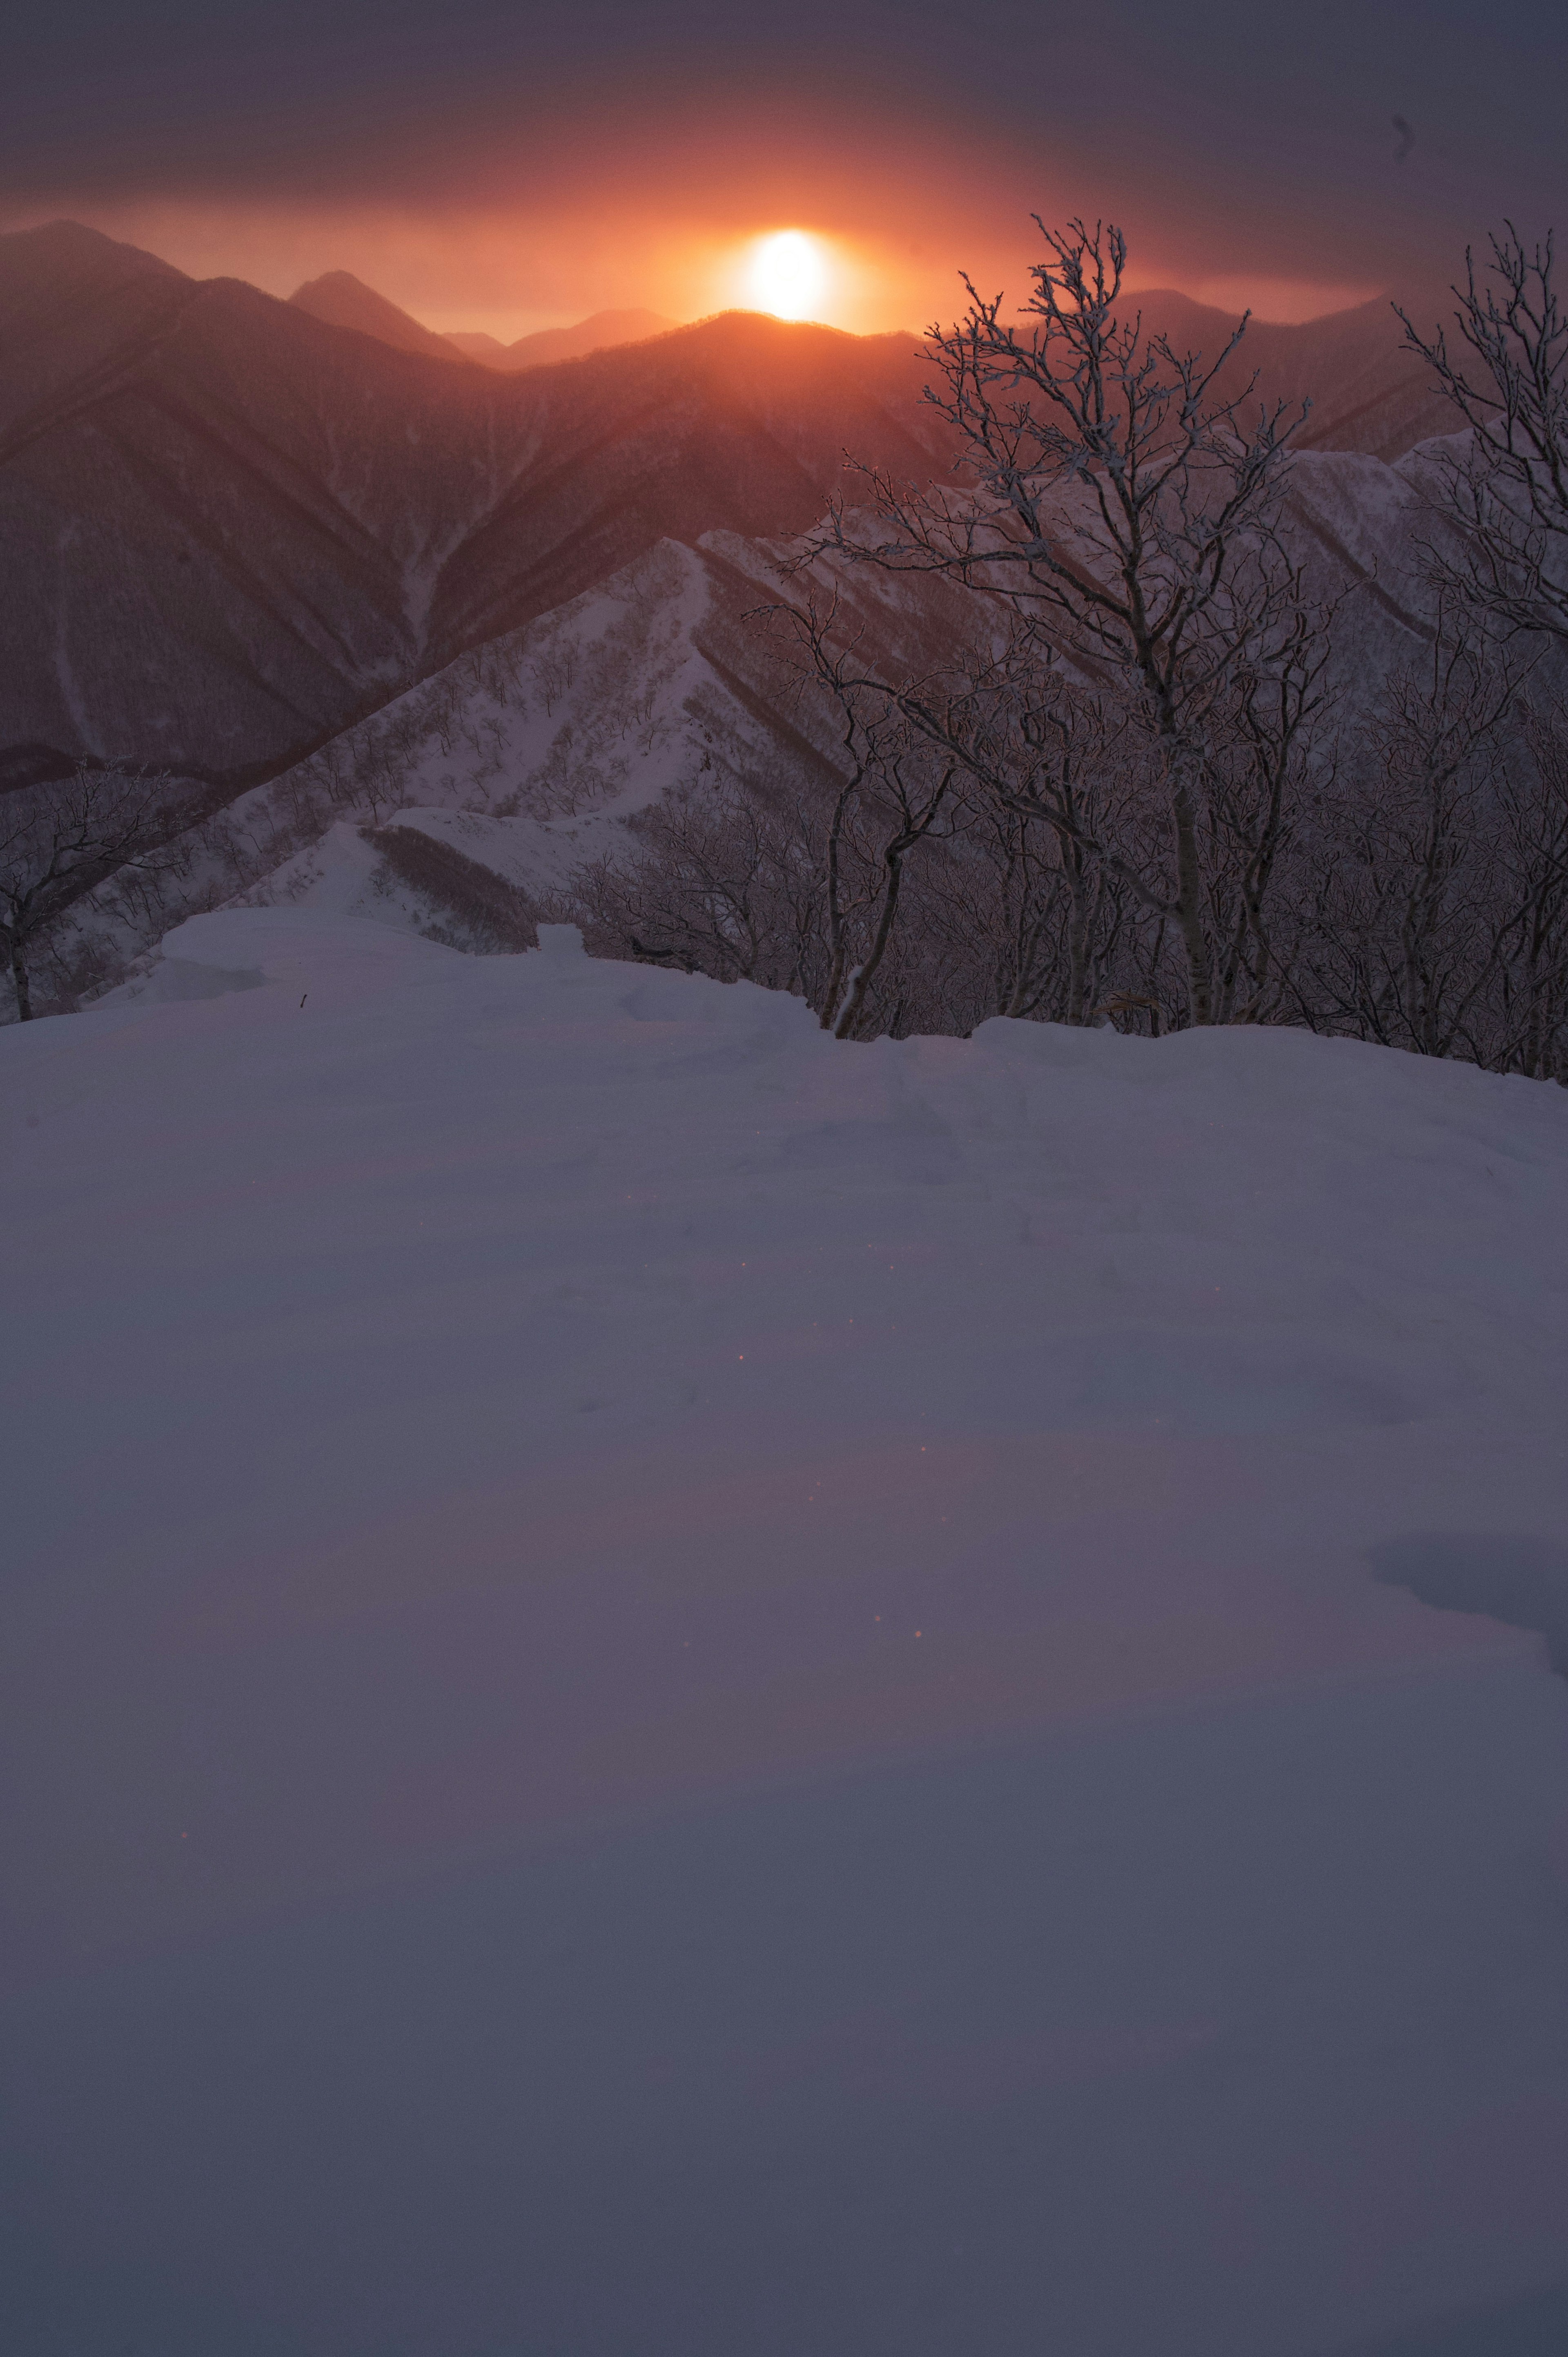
[
  {"x": 713, "y": 881},
  {"x": 1267, "y": 749},
  {"x": 60, "y": 841},
  {"x": 1506, "y": 372},
  {"x": 895, "y": 788},
  {"x": 1531, "y": 928},
  {"x": 1049, "y": 762},
  {"x": 1120, "y": 506},
  {"x": 1411, "y": 909},
  {"x": 1022, "y": 923},
  {"x": 1105, "y": 776}
]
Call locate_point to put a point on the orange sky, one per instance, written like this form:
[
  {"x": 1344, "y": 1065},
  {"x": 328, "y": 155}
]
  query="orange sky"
[
  {"x": 493, "y": 166},
  {"x": 511, "y": 273}
]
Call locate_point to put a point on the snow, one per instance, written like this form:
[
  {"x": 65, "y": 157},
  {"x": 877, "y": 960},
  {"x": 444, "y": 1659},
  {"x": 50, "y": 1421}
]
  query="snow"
[
  {"x": 675, "y": 1689},
  {"x": 530, "y": 752},
  {"x": 550, "y": 738},
  {"x": 343, "y": 874}
]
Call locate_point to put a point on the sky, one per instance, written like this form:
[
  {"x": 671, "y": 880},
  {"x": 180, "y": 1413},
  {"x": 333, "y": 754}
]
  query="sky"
[{"x": 495, "y": 165}]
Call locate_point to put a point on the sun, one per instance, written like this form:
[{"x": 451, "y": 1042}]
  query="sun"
[{"x": 787, "y": 274}]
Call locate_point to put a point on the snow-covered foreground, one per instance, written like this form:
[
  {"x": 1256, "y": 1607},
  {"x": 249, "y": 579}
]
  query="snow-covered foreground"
[{"x": 674, "y": 1690}]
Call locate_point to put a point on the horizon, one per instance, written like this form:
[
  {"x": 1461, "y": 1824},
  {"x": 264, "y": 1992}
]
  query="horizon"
[
  {"x": 504, "y": 175},
  {"x": 502, "y": 328}
]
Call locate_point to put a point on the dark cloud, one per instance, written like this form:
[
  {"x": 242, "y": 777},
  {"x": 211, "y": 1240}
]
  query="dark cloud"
[{"x": 1232, "y": 138}]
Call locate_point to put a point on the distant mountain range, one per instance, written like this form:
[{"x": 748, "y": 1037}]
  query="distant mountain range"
[
  {"x": 237, "y": 526},
  {"x": 597, "y": 334},
  {"x": 341, "y": 300},
  {"x": 1366, "y": 394}
]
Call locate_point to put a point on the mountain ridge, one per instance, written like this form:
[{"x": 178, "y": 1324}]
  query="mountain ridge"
[
  {"x": 601, "y": 331},
  {"x": 238, "y": 527}
]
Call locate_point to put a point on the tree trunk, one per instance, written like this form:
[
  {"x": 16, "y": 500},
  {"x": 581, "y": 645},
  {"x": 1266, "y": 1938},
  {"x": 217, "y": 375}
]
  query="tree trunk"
[
  {"x": 860, "y": 980},
  {"x": 19, "y": 977},
  {"x": 1074, "y": 867},
  {"x": 1182, "y": 761},
  {"x": 838, "y": 939}
]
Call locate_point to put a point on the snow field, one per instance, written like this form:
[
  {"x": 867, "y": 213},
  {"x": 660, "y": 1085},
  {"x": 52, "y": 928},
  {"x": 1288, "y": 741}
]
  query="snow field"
[{"x": 678, "y": 1688}]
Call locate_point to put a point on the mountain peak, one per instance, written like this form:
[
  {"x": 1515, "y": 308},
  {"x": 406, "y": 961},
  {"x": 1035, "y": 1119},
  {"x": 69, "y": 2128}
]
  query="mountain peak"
[
  {"x": 63, "y": 262},
  {"x": 72, "y": 243},
  {"x": 340, "y": 300}
]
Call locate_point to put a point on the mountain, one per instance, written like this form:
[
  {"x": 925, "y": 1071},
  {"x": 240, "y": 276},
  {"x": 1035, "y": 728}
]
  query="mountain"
[
  {"x": 597, "y": 334},
  {"x": 480, "y": 347},
  {"x": 341, "y": 300},
  {"x": 524, "y": 758},
  {"x": 71, "y": 300},
  {"x": 238, "y": 528},
  {"x": 1368, "y": 392}
]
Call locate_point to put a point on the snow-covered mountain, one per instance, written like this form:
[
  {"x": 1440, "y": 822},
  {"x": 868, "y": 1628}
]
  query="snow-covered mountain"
[
  {"x": 347, "y": 1268},
  {"x": 537, "y": 746},
  {"x": 671, "y": 1685},
  {"x": 332, "y": 582},
  {"x": 236, "y": 528}
]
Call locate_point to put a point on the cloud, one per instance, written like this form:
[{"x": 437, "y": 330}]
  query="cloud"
[{"x": 527, "y": 162}]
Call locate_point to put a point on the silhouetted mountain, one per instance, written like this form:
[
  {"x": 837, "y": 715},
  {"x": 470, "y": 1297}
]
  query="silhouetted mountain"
[
  {"x": 68, "y": 297},
  {"x": 235, "y": 528},
  {"x": 344, "y": 301},
  {"x": 597, "y": 334},
  {"x": 1368, "y": 392}
]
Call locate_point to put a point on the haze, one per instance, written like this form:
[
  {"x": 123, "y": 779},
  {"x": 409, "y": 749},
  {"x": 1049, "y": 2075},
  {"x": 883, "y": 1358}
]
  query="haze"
[{"x": 504, "y": 169}]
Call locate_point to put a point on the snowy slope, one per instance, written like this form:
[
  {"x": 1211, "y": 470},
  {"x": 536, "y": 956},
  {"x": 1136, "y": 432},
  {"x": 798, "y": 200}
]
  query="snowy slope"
[
  {"x": 528, "y": 753},
  {"x": 676, "y": 1690},
  {"x": 597, "y": 708},
  {"x": 524, "y": 755}
]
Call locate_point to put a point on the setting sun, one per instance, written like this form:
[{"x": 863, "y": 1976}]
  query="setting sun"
[{"x": 786, "y": 276}]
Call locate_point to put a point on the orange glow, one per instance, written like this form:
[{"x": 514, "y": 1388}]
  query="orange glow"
[
  {"x": 510, "y": 269},
  {"x": 788, "y": 276}
]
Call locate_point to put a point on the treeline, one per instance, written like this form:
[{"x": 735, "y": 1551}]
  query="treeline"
[
  {"x": 1406, "y": 883},
  {"x": 1130, "y": 792}
]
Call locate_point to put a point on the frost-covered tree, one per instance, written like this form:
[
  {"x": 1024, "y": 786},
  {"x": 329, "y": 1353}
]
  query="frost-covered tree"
[
  {"x": 1505, "y": 370},
  {"x": 1122, "y": 507},
  {"x": 59, "y": 841}
]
